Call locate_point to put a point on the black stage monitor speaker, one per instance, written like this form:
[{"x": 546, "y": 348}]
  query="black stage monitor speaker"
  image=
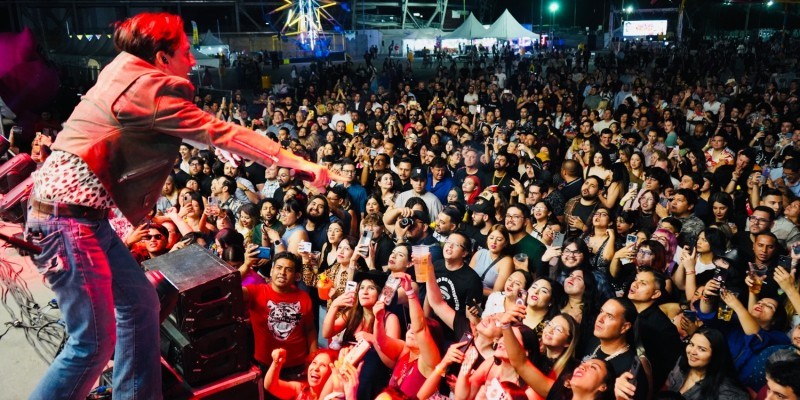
[
  {"x": 210, "y": 291},
  {"x": 213, "y": 355},
  {"x": 14, "y": 204},
  {"x": 15, "y": 170}
]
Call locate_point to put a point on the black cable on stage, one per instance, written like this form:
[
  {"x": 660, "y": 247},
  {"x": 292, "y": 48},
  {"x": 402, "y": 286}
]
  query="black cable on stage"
[{"x": 44, "y": 330}]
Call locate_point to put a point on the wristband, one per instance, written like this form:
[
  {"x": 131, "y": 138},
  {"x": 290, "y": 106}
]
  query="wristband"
[
  {"x": 440, "y": 370},
  {"x": 689, "y": 272},
  {"x": 411, "y": 295},
  {"x": 503, "y": 326}
]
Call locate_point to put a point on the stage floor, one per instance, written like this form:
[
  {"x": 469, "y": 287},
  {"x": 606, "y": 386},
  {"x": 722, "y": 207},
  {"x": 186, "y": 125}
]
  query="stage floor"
[{"x": 20, "y": 365}]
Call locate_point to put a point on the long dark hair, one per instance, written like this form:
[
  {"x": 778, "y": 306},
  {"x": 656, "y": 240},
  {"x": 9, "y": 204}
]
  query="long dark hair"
[
  {"x": 720, "y": 365},
  {"x": 582, "y": 247}
]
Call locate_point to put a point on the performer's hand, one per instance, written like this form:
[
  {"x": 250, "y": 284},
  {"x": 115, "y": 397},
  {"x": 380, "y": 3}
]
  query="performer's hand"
[
  {"x": 226, "y": 156},
  {"x": 324, "y": 176}
]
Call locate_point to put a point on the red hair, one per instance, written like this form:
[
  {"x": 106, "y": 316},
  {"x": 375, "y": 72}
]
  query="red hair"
[
  {"x": 475, "y": 192},
  {"x": 146, "y": 34}
]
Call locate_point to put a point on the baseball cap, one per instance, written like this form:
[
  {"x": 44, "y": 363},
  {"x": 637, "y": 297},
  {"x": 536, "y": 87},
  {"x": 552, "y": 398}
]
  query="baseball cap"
[
  {"x": 419, "y": 173},
  {"x": 483, "y": 207}
]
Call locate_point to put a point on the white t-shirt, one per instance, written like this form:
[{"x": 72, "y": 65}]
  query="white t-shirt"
[{"x": 469, "y": 98}]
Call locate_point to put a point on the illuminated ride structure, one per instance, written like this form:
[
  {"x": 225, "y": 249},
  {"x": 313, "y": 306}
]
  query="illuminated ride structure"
[{"x": 304, "y": 22}]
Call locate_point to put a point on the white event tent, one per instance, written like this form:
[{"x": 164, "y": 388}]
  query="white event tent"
[
  {"x": 470, "y": 29},
  {"x": 507, "y": 28}
]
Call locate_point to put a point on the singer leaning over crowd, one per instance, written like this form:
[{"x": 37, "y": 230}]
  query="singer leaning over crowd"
[{"x": 116, "y": 150}]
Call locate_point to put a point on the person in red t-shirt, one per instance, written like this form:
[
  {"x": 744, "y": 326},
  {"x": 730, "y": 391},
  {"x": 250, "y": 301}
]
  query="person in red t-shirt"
[{"x": 282, "y": 317}]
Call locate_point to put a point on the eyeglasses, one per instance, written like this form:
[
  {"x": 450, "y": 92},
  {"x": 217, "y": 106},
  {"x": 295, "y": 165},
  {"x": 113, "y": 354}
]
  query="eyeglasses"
[
  {"x": 556, "y": 328},
  {"x": 645, "y": 252},
  {"x": 601, "y": 214},
  {"x": 756, "y": 220},
  {"x": 509, "y": 216},
  {"x": 539, "y": 208},
  {"x": 348, "y": 171},
  {"x": 454, "y": 244},
  {"x": 571, "y": 252},
  {"x": 157, "y": 236}
]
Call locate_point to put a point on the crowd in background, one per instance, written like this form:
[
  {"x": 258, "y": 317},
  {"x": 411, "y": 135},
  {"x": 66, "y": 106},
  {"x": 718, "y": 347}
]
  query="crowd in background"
[{"x": 618, "y": 227}]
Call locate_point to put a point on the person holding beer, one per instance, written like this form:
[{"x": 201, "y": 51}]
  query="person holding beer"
[{"x": 751, "y": 329}]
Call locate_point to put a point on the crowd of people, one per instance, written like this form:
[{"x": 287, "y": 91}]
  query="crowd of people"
[{"x": 625, "y": 229}]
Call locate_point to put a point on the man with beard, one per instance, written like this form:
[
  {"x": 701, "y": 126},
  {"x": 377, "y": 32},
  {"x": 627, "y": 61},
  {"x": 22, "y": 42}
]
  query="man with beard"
[
  {"x": 458, "y": 282},
  {"x": 501, "y": 176},
  {"x": 579, "y": 209},
  {"x": 317, "y": 221},
  {"x": 369, "y": 175},
  {"x": 439, "y": 183},
  {"x": 223, "y": 189},
  {"x": 286, "y": 181},
  {"x": 404, "y": 172},
  {"x": 446, "y": 223},
  {"x": 245, "y": 191},
  {"x": 516, "y": 223},
  {"x": 282, "y": 317},
  {"x": 483, "y": 218}
]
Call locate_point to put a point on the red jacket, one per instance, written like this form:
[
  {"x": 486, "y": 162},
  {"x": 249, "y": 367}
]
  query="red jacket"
[{"x": 129, "y": 126}]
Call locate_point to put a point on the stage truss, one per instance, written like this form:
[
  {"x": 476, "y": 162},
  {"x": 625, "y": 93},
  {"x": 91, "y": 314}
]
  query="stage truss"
[{"x": 304, "y": 22}]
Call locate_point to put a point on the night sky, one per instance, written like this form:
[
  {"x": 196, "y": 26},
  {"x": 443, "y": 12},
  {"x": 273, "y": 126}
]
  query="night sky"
[{"x": 703, "y": 14}]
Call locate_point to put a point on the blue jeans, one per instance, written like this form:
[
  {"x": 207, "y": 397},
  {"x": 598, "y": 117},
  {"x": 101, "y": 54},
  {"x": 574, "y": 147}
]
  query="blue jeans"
[{"x": 105, "y": 300}]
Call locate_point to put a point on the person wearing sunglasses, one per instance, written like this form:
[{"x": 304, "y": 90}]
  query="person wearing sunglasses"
[{"x": 148, "y": 241}]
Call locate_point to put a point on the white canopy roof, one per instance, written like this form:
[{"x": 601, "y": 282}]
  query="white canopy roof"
[
  {"x": 470, "y": 29},
  {"x": 506, "y": 27},
  {"x": 423, "y": 33}
]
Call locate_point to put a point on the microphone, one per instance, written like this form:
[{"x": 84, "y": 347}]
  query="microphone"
[{"x": 21, "y": 244}]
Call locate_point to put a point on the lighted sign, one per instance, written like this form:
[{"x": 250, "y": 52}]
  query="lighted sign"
[{"x": 644, "y": 28}]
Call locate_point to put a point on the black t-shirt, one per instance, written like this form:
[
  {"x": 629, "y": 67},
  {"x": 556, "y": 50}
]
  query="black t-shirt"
[
  {"x": 661, "y": 342},
  {"x": 458, "y": 286},
  {"x": 481, "y": 174},
  {"x": 255, "y": 173},
  {"x": 572, "y": 189},
  {"x": 620, "y": 364},
  {"x": 474, "y": 233},
  {"x": 612, "y": 152}
]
